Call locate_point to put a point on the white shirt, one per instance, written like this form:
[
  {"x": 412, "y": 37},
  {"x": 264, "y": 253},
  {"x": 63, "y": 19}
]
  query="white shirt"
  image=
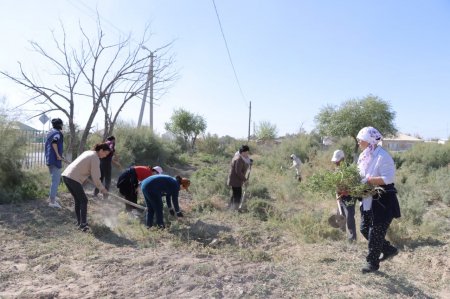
[{"x": 381, "y": 165}]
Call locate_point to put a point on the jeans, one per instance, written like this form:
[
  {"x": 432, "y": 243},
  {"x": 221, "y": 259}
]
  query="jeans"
[
  {"x": 55, "y": 174},
  {"x": 154, "y": 206}
]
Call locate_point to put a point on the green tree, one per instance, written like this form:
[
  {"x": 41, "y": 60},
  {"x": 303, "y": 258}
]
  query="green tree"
[
  {"x": 353, "y": 115},
  {"x": 266, "y": 131},
  {"x": 186, "y": 126}
]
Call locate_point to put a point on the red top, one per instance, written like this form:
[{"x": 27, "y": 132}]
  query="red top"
[{"x": 142, "y": 172}]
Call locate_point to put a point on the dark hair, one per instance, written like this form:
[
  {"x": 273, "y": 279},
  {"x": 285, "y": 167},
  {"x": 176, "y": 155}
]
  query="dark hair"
[
  {"x": 101, "y": 146},
  {"x": 111, "y": 138},
  {"x": 178, "y": 178},
  {"x": 244, "y": 148},
  {"x": 57, "y": 123}
]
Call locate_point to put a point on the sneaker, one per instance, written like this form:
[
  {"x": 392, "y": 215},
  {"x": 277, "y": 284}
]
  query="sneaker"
[
  {"x": 369, "y": 268},
  {"x": 390, "y": 254},
  {"x": 84, "y": 227},
  {"x": 54, "y": 205}
]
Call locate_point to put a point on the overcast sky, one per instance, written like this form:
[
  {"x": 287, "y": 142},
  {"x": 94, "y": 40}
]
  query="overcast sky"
[{"x": 291, "y": 57}]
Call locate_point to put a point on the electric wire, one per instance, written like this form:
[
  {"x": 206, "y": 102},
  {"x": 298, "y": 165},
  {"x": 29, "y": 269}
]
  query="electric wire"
[{"x": 229, "y": 54}]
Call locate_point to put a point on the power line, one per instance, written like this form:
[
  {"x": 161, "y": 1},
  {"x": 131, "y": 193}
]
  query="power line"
[
  {"x": 94, "y": 14},
  {"x": 229, "y": 54}
]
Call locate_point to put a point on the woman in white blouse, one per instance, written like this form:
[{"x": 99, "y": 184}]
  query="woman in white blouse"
[{"x": 377, "y": 168}]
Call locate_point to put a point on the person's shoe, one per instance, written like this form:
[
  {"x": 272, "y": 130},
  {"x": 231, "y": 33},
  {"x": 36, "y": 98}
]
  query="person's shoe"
[
  {"x": 84, "y": 227},
  {"x": 387, "y": 255},
  {"x": 369, "y": 268},
  {"x": 54, "y": 205}
]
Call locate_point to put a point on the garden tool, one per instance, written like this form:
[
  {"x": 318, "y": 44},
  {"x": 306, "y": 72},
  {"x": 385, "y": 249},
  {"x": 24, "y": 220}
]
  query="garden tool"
[
  {"x": 337, "y": 220},
  {"x": 122, "y": 199}
]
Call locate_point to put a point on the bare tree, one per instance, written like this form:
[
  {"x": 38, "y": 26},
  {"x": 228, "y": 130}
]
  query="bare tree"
[{"x": 95, "y": 75}]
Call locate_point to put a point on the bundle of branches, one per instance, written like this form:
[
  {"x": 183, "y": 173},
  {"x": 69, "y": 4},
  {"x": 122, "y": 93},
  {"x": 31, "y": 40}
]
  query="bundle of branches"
[{"x": 345, "y": 179}]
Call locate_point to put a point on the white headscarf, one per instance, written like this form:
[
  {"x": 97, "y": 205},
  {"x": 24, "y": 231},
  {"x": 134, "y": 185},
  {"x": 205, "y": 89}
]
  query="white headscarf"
[{"x": 371, "y": 136}]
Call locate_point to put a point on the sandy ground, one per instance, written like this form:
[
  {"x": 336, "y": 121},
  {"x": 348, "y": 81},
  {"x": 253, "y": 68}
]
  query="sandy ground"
[{"x": 43, "y": 255}]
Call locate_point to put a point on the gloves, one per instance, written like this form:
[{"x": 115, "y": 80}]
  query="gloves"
[
  {"x": 172, "y": 212},
  {"x": 179, "y": 214}
]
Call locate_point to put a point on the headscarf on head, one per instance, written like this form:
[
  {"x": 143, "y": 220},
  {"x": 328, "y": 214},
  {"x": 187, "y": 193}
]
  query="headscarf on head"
[
  {"x": 244, "y": 148},
  {"x": 371, "y": 136}
]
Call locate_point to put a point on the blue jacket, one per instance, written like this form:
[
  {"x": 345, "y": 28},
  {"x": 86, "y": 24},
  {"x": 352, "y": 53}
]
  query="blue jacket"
[
  {"x": 159, "y": 185},
  {"x": 50, "y": 155}
]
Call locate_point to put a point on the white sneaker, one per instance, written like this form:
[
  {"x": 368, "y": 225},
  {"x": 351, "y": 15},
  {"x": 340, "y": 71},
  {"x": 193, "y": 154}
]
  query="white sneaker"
[{"x": 54, "y": 205}]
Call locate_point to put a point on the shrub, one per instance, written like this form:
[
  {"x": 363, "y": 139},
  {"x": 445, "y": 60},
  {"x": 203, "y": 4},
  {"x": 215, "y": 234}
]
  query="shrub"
[
  {"x": 430, "y": 155},
  {"x": 263, "y": 209},
  {"x": 137, "y": 146},
  {"x": 209, "y": 181},
  {"x": 211, "y": 144}
]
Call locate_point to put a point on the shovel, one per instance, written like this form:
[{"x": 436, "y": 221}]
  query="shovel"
[{"x": 337, "y": 220}]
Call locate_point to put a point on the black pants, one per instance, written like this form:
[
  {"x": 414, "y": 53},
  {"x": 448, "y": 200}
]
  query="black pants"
[
  {"x": 127, "y": 184},
  {"x": 236, "y": 197},
  {"x": 105, "y": 174},
  {"x": 80, "y": 198},
  {"x": 375, "y": 233}
]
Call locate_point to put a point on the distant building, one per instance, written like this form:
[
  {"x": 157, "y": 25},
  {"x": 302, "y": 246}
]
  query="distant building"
[
  {"x": 400, "y": 142},
  {"x": 22, "y": 127}
]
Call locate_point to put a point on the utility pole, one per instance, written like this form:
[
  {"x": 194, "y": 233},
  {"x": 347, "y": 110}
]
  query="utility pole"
[
  {"x": 144, "y": 98},
  {"x": 249, "y": 120},
  {"x": 151, "y": 91}
]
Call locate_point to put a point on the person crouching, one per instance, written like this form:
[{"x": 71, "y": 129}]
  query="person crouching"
[{"x": 153, "y": 188}]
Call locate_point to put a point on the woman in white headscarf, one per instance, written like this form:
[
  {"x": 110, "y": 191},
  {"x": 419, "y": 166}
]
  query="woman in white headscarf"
[{"x": 377, "y": 168}]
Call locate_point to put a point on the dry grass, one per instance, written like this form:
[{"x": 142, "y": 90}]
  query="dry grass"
[{"x": 217, "y": 254}]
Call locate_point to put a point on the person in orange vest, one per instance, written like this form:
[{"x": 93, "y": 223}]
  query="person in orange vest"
[{"x": 129, "y": 179}]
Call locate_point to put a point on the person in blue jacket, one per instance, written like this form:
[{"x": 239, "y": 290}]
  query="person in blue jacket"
[
  {"x": 53, "y": 158},
  {"x": 154, "y": 188}
]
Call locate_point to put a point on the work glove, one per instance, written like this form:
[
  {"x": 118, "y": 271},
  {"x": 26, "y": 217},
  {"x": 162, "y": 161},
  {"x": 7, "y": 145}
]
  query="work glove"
[
  {"x": 172, "y": 212},
  {"x": 179, "y": 214}
]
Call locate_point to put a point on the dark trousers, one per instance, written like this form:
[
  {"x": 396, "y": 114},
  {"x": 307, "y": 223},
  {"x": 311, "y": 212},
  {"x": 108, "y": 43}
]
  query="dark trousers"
[
  {"x": 80, "y": 198},
  {"x": 154, "y": 206},
  {"x": 127, "y": 184},
  {"x": 375, "y": 233},
  {"x": 105, "y": 174},
  {"x": 236, "y": 197},
  {"x": 349, "y": 212}
]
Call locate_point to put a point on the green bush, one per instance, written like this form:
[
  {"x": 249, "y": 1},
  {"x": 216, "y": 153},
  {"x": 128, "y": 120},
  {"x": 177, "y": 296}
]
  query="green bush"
[
  {"x": 209, "y": 181},
  {"x": 137, "y": 146},
  {"x": 211, "y": 144},
  {"x": 263, "y": 209},
  {"x": 429, "y": 155}
]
